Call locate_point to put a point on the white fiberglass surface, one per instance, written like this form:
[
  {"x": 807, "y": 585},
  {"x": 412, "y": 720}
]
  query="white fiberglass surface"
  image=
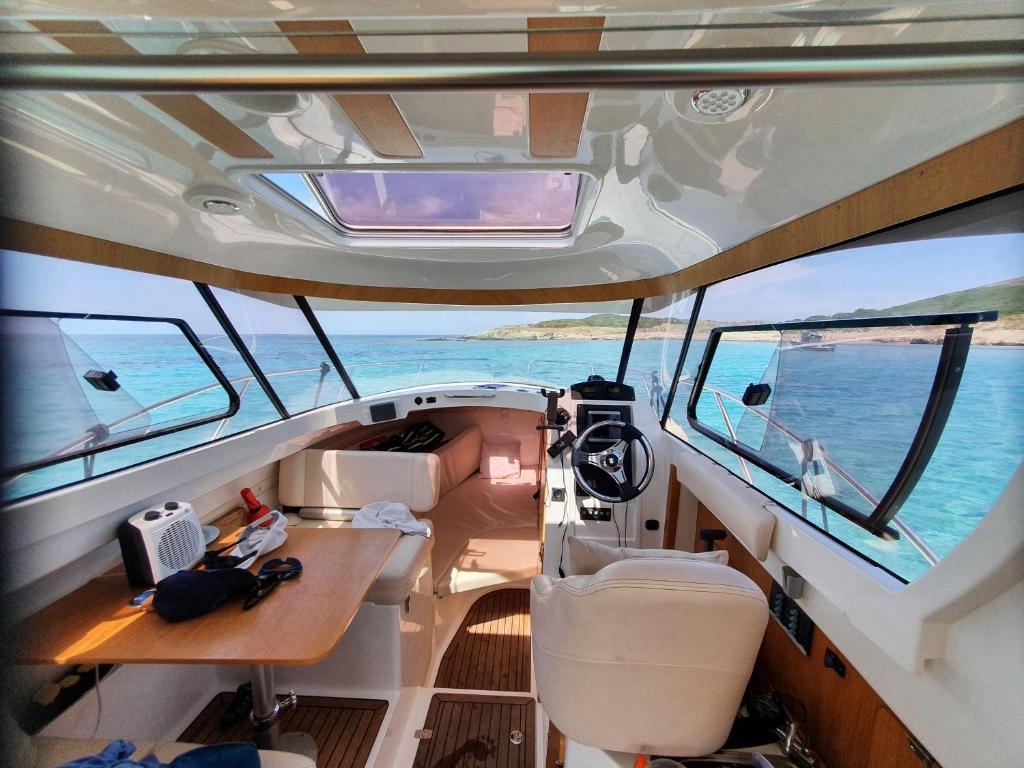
[{"x": 665, "y": 188}]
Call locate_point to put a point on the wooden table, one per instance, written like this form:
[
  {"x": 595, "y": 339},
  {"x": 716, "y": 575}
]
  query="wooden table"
[{"x": 299, "y": 623}]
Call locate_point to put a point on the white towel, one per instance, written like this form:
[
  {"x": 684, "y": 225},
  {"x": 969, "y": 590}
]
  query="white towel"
[
  {"x": 390, "y": 514},
  {"x": 255, "y": 541}
]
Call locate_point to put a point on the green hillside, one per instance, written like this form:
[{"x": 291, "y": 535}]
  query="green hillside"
[
  {"x": 604, "y": 320},
  {"x": 1006, "y": 297}
]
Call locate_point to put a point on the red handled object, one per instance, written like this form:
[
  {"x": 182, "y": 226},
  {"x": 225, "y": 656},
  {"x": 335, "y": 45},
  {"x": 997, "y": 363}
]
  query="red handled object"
[{"x": 254, "y": 510}]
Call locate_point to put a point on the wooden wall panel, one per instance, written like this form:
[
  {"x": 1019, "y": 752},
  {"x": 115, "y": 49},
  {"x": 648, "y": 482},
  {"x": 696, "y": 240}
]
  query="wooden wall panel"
[
  {"x": 556, "y": 119},
  {"x": 845, "y": 717},
  {"x": 668, "y": 539},
  {"x": 375, "y": 115},
  {"x": 187, "y": 108}
]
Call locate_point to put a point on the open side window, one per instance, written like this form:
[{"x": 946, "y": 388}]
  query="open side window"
[
  {"x": 817, "y": 406},
  {"x": 81, "y": 384}
]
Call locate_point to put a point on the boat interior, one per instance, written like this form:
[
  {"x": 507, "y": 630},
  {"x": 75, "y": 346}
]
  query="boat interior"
[{"x": 512, "y": 384}]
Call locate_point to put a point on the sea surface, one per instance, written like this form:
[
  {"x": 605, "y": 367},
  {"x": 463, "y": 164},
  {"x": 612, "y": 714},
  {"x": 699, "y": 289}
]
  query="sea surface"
[{"x": 862, "y": 402}]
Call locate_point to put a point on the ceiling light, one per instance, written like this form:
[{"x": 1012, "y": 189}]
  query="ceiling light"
[
  {"x": 221, "y": 207},
  {"x": 718, "y": 101},
  {"x": 218, "y": 199}
]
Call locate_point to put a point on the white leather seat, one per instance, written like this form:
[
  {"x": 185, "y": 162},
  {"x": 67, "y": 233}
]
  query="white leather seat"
[{"x": 648, "y": 655}]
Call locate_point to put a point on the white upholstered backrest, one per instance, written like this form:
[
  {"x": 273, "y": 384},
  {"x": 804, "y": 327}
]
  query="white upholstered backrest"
[
  {"x": 353, "y": 479},
  {"x": 646, "y": 655}
]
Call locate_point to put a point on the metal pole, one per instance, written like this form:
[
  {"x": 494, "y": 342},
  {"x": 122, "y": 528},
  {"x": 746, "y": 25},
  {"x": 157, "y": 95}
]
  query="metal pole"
[
  {"x": 985, "y": 61},
  {"x": 243, "y": 351}
]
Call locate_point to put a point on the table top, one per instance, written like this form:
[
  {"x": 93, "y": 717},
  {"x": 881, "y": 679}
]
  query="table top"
[{"x": 299, "y": 623}]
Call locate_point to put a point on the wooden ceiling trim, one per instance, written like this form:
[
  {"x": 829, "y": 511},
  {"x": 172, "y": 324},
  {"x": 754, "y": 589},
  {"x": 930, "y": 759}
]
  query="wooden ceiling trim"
[
  {"x": 375, "y": 115},
  {"x": 188, "y": 109},
  {"x": 984, "y": 166},
  {"x": 556, "y": 119}
]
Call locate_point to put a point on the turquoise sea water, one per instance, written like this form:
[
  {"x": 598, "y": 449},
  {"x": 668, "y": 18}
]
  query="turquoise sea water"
[{"x": 859, "y": 400}]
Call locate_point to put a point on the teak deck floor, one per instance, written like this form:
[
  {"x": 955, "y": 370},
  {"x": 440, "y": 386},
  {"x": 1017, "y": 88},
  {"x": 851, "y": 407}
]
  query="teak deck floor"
[
  {"x": 491, "y": 650},
  {"x": 468, "y": 731},
  {"x": 344, "y": 729}
]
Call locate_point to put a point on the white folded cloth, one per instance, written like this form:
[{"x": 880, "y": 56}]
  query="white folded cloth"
[
  {"x": 256, "y": 541},
  {"x": 390, "y": 514}
]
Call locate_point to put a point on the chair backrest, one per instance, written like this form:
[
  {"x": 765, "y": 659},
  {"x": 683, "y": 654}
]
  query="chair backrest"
[
  {"x": 353, "y": 479},
  {"x": 647, "y": 655}
]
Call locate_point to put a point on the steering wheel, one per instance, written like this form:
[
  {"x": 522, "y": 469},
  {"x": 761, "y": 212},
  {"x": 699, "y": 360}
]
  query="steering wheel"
[{"x": 612, "y": 461}]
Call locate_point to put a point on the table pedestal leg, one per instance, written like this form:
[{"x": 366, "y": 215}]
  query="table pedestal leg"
[{"x": 266, "y": 715}]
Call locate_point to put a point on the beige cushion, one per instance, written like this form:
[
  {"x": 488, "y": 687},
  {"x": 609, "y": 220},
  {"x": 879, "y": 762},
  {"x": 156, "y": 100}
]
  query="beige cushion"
[
  {"x": 500, "y": 461},
  {"x": 353, "y": 479},
  {"x": 52, "y": 752},
  {"x": 487, "y": 533},
  {"x": 648, "y": 655},
  {"x": 459, "y": 457},
  {"x": 588, "y": 557}
]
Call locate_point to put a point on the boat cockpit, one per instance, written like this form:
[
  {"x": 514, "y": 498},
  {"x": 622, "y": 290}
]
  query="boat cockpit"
[{"x": 524, "y": 386}]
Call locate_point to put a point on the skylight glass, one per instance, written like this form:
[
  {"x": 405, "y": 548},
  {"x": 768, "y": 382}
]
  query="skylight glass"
[{"x": 527, "y": 202}]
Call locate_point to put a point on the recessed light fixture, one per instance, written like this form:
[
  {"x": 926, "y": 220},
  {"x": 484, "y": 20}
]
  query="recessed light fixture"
[
  {"x": 222, "y": 207},
  {"x": 217, "y": 199},
  {"x": 718, "y": 101}
]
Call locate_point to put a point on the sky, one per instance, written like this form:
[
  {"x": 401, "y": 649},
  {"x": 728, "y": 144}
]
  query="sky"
[{"x": 874, "y": 277}]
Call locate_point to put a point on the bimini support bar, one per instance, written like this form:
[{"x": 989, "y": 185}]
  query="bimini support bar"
[{"x": 985, "y": 61}]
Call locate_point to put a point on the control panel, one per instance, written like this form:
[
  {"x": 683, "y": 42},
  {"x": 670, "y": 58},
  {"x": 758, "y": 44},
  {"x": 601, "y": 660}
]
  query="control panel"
[
  {"x": 791, "y": 618},
  {"x": 586, "y": 416}
]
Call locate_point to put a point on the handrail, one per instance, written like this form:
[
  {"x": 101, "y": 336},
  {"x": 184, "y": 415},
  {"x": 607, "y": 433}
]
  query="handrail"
[
  {"x": 895, "y": 63},
  {"x": 902, "y": 526}
]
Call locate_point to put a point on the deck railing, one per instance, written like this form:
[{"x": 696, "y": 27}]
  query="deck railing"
[{"x": 657, "y": 401}]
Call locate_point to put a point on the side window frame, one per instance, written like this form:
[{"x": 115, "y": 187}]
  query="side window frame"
[
  {"x": 955, "y": 348},
  {"x": 234, "y": 401}
]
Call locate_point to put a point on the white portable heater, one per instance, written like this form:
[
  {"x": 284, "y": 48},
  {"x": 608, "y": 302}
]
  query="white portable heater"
[{"x": 160, "y": 541}]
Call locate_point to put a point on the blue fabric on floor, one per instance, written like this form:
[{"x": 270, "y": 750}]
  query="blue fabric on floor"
[{"x": 117, "y": 754}]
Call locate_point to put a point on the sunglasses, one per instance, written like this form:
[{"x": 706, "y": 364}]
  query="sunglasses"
[{"x": 272, "y": 573}]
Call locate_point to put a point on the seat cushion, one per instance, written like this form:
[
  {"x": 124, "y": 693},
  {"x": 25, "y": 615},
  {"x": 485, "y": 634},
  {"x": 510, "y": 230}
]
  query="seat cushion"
[
  {"x": 683, "y": 673},
  {"x": 500, "y": 461},
  {"x": 353, "y": 479},
  {"x": 487, "y": 534},
  {"x": 588, "y": 557},
  {"x": 459, "y": 457}
]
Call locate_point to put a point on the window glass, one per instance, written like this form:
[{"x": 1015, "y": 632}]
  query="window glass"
[
  {"x": 284, "y": 346},
  {"x": 154, "y": 366},
  {"x": 390, "y": 346},
  {"x": 106, "y": 393},
  {"x": 478, "y": 201},
  {"x": 656, "y": 347},
  {"x": 945, "y": 264}
]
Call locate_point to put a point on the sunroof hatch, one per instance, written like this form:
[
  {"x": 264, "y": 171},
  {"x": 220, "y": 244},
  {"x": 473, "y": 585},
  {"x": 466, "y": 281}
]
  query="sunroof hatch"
[{"x": 429, "y": 203}]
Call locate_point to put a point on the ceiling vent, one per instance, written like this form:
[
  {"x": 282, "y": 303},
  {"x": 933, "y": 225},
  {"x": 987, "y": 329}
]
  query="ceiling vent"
[{"x": 718, "y": 101}]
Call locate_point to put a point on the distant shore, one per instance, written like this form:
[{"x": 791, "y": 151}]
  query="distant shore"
[{"x": 1003, "y": 332}]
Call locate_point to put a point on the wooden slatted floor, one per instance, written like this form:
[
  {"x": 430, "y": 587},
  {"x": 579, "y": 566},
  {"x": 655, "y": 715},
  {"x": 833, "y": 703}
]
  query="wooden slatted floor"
[
  {"x": 344, "y": 729},
  {"x": 468, "y": 731},
  {"x": 491, "y": 650}
]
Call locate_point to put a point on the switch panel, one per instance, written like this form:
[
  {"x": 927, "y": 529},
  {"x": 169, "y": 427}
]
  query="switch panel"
[
  {"x": 601, "y": 514},
  {"x": 791, "y": 618}
]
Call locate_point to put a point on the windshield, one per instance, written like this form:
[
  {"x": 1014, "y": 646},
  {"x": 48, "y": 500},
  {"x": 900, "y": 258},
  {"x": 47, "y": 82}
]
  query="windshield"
[{"x": 389, "y": 346}]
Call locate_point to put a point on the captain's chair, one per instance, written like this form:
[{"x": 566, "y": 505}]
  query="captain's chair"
[{"x": 647, "y": 655}]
